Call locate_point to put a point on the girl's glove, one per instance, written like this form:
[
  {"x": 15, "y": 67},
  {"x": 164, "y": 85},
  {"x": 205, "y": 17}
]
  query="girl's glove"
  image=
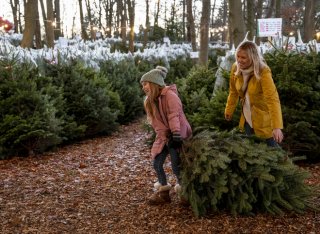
[{"x": 176, "y": 140}]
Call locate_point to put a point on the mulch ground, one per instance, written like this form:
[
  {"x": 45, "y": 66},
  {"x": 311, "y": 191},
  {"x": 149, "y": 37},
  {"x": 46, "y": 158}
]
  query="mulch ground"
[{"x": 101, "y": 186}]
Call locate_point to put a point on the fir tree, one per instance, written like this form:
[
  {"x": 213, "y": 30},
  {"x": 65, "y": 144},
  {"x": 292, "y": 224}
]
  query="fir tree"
[
  {"x": 124, "y": 79},
  {"x": 29, "y": 119},
  {"x": 227, "y": 171},
  {"x": 297, "y": 80}
]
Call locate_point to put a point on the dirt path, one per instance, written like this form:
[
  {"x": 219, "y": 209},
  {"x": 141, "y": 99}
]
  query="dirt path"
[{"x": 100, "y": 186}]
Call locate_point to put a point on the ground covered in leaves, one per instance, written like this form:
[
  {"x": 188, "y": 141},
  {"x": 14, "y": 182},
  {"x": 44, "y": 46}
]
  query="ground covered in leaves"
[{"x": 101, "y": 186}]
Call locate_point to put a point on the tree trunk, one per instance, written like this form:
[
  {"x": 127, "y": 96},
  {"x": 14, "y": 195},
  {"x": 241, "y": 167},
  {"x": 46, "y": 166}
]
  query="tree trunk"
[
  {"x": 147, "y": 28},
  {"x": 92, "y": 28},
  {"x": 309, "y": 22},
  {"x": 184, "y": 19},
  {"x": 131, "y": 11},
  {"x": 50, "y": 24},
  {"x": 117, "y": 29},
  {"x": 250, "y": 19},
  {"x": 38, "y": 41},
  {"x": 270, "y": 9},
  {"x": 171, "y": 30},
  {"x": 124, "y": 22},
  {"x": 259, "y": 16},
  {"x": 212, "y": 13},
  {"x": 44, "y": 17},
  {"x": 73, "y": 27},
  {"x": 191, "y": 27},
  {"x": 20, "y": 16},
  {"x": 204, "y": 33},
  {"x": 156, "y": 17},
  {"x": 83, "y": 27},
  {"x": 110, "y": 20},
  {"x": 59, "y": 30},
  {"x": 278, "y": 8},
  {"x": 99, "y": 8},
  {"x": 30, "y": 23},
  {"x": 236, "y": 22},
  {"x": 259, "y": 9},
  {"x": 108, "y": 7},
  {"x": 15, "y": 7},
  {"x": 225, "y": 20}
]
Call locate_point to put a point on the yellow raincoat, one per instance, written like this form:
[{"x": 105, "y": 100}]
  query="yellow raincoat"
[{"x": 264, "y": 102}]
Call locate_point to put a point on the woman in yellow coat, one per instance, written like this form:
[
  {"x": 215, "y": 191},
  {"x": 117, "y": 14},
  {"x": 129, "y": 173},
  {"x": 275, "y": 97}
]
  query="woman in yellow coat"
[{"x": 251, "y": 82}]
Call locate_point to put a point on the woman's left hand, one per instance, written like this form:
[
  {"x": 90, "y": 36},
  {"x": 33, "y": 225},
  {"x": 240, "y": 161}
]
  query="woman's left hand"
[{"x": 277, "y": 135}]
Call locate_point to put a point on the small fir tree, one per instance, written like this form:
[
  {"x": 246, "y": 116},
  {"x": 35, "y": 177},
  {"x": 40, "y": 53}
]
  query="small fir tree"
[
  {"x": 29, "y": 119},
  {"x": 124, "y": 79}
]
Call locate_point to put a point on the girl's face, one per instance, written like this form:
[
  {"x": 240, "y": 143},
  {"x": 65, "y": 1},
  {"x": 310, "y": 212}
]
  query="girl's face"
[
  {"x": 243, "y": 59},
  {"x": 146, "y": 87}
]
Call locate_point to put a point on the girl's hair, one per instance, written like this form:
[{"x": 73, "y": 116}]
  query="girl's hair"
[
  {"x": 254, "y": 55},
  {"x": 151, "y": 100}
]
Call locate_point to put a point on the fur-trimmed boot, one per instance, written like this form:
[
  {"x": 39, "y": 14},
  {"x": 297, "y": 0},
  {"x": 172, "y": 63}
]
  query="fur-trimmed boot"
[
  {"x": 161, "y": 196},
  {"x": 182, "y": 200}
]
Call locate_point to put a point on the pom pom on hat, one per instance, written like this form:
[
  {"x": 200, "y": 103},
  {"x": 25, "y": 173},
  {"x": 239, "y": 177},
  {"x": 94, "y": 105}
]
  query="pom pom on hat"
[{"x": 155, "y": 76}]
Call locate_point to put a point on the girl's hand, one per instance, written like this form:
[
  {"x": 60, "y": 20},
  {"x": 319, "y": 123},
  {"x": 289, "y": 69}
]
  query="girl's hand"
[
  {"x": 176, "y": 140},
  {"x": 277, "y": 135}
]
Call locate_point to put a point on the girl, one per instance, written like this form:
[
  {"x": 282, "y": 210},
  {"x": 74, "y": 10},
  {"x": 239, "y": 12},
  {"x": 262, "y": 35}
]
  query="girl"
[{"x": 165, "y": 113}]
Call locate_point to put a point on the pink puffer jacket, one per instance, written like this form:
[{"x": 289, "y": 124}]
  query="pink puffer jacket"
[{"x": 170, "y": 118}]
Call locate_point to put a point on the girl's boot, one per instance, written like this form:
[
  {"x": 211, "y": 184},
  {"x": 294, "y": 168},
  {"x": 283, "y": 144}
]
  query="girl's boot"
[
  {"x": 161, "y": 196},
  {"x": 182, "y": 200}
]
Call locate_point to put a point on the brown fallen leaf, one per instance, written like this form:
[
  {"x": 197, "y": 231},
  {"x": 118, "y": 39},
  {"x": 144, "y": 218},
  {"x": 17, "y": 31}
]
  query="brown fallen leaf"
[{"x": 101, "y": 185}]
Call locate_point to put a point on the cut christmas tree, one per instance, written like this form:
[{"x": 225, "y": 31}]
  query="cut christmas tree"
[{"x": 226, "y": 171}]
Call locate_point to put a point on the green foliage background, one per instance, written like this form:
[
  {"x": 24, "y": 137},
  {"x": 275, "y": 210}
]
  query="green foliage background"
[
  {"x": 297, "y": 79},
  {"x": 52, "y": 104}
]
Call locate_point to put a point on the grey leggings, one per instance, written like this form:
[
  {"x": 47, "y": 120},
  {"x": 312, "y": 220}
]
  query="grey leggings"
[{"x": 175, "y": 163}]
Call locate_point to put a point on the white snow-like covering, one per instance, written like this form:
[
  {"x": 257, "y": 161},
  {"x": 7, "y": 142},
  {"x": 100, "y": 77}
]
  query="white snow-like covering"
[{"x": 92, "y": 53}]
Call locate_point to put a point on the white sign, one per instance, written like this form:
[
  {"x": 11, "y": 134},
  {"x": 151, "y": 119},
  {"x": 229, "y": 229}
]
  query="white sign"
[
  {"x": 194, "y": 54},
  {"x": 166, "y": 40},
  {"x": 98, "y": 34},
  {"x": 269, "y": 27},
  {"x": 63, "y": 42}
]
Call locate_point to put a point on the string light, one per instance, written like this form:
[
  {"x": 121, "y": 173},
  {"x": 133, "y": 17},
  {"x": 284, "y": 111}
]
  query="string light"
[
  {"x": 219, "y": 29},
  {"x": 318, "y": 36}
]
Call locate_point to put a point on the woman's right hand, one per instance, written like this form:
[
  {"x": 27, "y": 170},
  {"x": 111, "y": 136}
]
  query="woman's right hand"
[
  {"x": 277, "y": 135},
  {"x": 228, "y": 117}
]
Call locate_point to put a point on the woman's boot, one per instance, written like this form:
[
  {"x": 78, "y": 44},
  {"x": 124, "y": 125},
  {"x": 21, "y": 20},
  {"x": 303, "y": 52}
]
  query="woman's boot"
[{"x": 161, "y": 196}]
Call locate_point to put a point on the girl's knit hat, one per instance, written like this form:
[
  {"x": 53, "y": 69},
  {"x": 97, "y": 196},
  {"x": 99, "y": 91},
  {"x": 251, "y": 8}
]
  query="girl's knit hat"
[{"x": 156, "y": 76}]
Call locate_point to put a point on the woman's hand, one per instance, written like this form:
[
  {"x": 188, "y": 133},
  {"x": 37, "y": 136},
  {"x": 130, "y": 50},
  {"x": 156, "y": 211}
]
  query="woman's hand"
[
  {"x": 228, "y": 117},
  {"x": 277, "y": 135}
]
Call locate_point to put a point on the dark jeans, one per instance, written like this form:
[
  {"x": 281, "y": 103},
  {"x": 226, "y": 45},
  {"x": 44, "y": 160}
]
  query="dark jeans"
[
  {"x": 270, "y": 141},
  {"x": 175, "y": 164}
]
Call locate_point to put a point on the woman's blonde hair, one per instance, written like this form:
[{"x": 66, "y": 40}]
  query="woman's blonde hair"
[
  {"x": 254, "y": 55},
  {"x": 152, "y": 100}
]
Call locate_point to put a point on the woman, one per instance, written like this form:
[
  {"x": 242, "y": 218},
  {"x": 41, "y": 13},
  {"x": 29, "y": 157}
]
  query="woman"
[
  {"x": 251, "y": 81},
  {"x": 165, "y": 113}
]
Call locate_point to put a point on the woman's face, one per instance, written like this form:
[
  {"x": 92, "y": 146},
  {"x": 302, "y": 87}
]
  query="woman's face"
[
  {"x": 146, "y": 87},
  {"x": 243, "y": 59}
]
